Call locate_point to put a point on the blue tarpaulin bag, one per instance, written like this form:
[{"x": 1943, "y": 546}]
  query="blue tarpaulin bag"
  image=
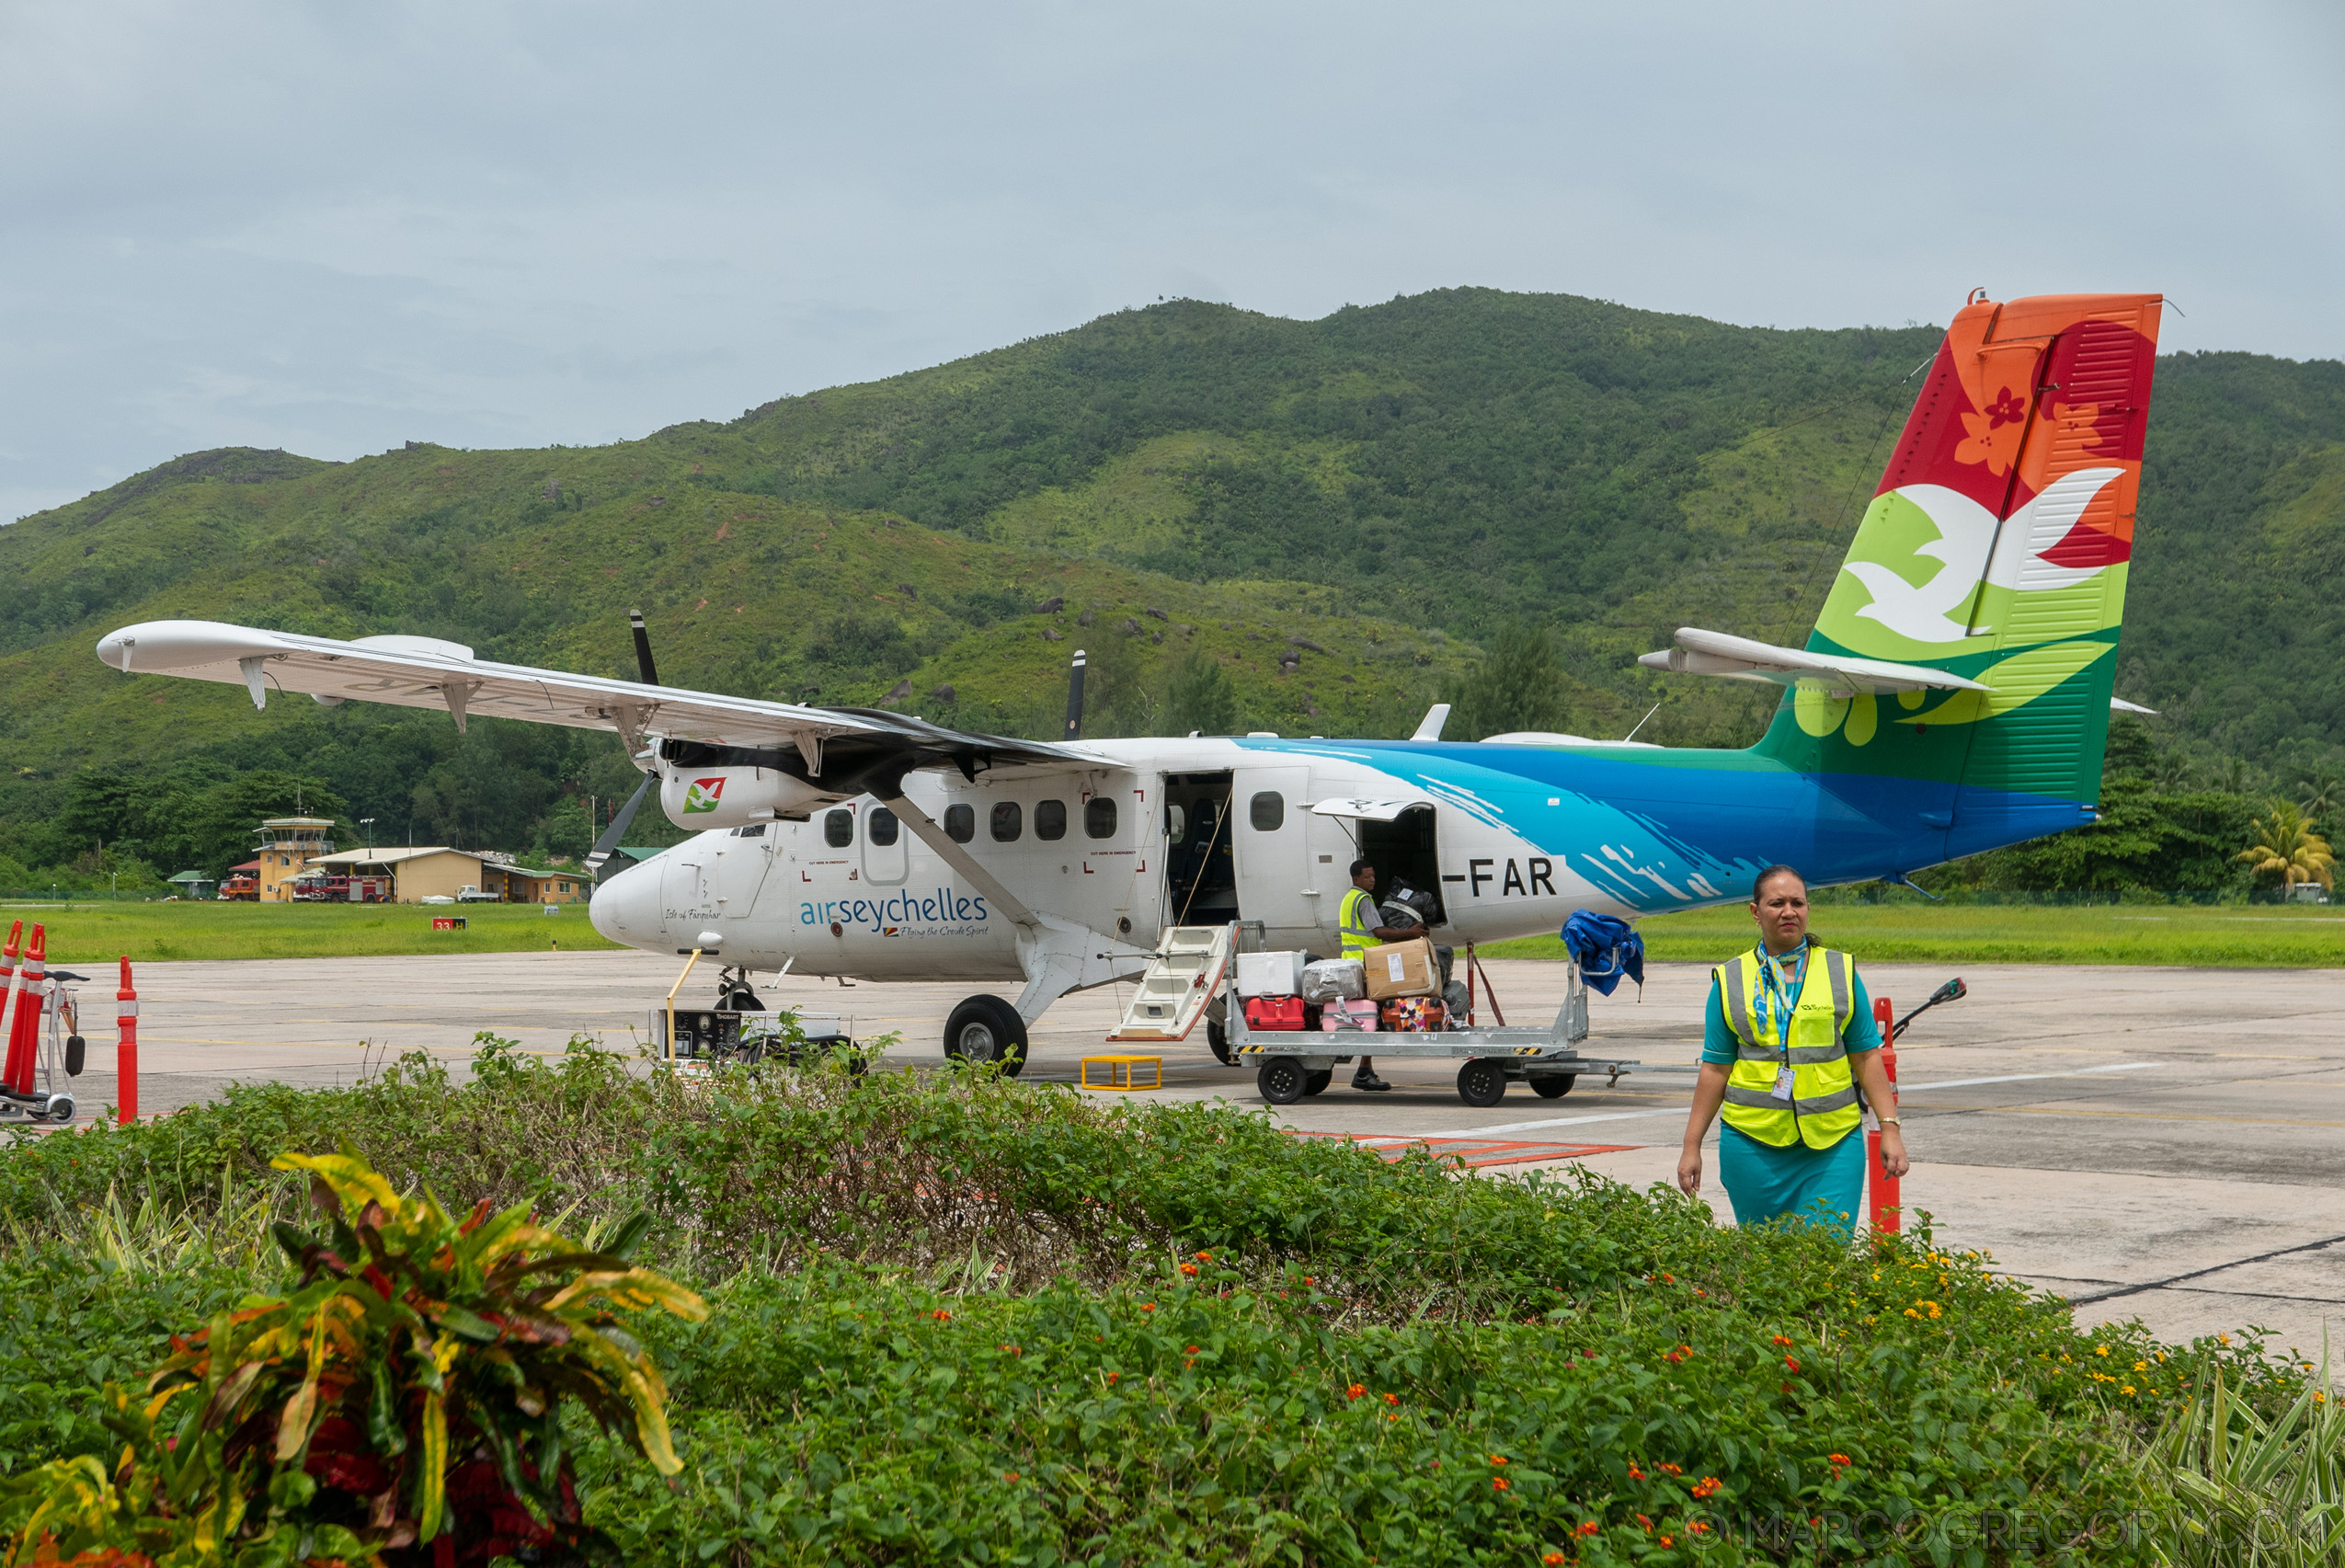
[{"x": 1606, "y": 949}]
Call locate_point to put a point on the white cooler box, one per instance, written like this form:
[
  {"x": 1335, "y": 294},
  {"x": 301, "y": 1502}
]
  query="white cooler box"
[{"x": 1270, "y": 974}]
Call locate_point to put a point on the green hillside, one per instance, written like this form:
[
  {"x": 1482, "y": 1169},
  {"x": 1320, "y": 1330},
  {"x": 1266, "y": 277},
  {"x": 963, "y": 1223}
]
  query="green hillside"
[{"x": 1205, "y": 492}]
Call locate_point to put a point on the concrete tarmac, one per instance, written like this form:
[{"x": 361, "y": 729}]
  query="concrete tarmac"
[{"x": 2153, "y": 1142}]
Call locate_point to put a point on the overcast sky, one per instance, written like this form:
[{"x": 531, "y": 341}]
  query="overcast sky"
[{"x": 333, "y": 227}]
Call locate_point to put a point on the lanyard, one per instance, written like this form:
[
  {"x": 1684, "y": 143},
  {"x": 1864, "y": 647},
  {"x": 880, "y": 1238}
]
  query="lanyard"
[{"x": 1782, "y": 1002}]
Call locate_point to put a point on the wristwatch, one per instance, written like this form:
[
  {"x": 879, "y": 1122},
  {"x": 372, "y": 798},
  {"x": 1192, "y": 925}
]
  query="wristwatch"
[{"x": 1891, "y": 1121}]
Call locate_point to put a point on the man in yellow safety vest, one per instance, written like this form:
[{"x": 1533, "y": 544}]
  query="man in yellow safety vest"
[
  {"x": 1789, "y": 1038},
  {"x": 1363, "y": 927}
]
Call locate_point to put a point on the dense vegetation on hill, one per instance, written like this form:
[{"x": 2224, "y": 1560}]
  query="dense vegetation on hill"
[{"x": 1312, "y": 527}]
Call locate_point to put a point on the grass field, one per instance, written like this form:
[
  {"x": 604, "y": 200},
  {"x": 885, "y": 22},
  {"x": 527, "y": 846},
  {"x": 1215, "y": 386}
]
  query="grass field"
[
  {"x": 88, "y": 934},
  {"x": 2256, "y": 936},
  {"x": 2263, "y": 936}
]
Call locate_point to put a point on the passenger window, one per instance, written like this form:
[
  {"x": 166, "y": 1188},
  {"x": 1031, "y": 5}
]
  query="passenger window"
[
  {"x": 1050, "y": 819},
  {"x": 838, "y": 829},
  {"x": 1267, "y": 811},
  {"x": 1099, "y": 817},
  {"x": 881, "y": 826},
  {"x": 1008, "y": 822},
  {"x": 960, "y": 823}
]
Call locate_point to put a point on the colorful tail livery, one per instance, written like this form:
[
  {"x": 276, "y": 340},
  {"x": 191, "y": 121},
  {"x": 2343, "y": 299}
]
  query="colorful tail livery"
[{"x": 1996, "y": 550}]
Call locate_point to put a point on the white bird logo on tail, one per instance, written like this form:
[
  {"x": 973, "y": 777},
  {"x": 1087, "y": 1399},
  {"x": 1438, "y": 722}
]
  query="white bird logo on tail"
[{"x": 1966, "y": 533}]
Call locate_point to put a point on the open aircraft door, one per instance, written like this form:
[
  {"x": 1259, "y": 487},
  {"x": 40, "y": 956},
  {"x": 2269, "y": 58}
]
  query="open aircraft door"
[
  {"x": 1400, "y": 832},
  {"x": 1270, "y": 823}
]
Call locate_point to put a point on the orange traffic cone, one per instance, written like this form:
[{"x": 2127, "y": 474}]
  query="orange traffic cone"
[
  {"x": 126, "y": 1054},
  {"x": 8, "y": 1000},
  {"x": 24, "y": 1032}
]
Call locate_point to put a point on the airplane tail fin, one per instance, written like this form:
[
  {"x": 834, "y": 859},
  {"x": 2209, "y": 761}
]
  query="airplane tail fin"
[{"x": 1995, "y": 549}]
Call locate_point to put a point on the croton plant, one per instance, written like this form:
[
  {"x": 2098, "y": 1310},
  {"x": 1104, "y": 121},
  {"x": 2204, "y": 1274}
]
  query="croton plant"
[{"x": 403, "y": 1406}]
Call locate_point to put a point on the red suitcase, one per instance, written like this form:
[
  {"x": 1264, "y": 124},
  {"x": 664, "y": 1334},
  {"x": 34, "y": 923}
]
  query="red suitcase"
[{"x": 1274, "y": 1012}]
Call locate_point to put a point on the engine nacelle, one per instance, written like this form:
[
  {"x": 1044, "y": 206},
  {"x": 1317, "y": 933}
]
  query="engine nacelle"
[{"x": 735, "y": 798}]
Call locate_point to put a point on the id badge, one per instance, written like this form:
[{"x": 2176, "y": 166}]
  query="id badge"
[{"x": 1782, "y": 1090}]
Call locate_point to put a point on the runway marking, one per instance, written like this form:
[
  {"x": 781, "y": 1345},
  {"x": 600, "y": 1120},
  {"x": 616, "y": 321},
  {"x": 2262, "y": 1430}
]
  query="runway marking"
[
  {"x": 2131, "y": 1116},
  {"x": 2201, "y": 1273},
  {"x": 1902, "y": 1089}
]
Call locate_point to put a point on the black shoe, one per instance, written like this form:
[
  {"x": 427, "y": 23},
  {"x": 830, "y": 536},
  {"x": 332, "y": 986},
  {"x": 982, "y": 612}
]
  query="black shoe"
[{"x": 1371, "y": 1083}]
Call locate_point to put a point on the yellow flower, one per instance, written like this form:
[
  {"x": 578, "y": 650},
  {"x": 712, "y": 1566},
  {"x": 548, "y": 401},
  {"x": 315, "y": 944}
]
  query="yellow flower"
[
  {"x": 2223, "y": 1339},
  {"x": 2141, "y": 1366},
  {"x": 2128, "y": 1389},
  {"x": 2100, "y": 1350}
]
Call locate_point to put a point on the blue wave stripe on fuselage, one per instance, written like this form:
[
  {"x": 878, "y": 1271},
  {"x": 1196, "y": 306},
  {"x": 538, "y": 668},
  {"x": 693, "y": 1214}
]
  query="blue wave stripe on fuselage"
[{"x": 1670, "y": 829}]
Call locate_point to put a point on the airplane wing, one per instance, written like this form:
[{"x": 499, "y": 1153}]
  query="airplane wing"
[{"x": 836, "y": 745}]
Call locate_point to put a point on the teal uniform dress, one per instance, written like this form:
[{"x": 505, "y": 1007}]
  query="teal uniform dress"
[{"x": 1763, "y": 1182}]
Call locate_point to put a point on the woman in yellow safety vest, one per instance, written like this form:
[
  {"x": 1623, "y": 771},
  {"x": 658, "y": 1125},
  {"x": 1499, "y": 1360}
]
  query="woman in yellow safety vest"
[{"x": 1788, "y": 1039}]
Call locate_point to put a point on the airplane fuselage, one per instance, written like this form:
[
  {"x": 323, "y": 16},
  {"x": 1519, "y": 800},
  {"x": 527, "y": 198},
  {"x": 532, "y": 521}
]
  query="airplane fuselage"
[{"x": 1511, "y": 838}]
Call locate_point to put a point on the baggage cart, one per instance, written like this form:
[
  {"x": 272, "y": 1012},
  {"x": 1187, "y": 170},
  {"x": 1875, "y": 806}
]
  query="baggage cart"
[{"x": 1290, "y": 1065}]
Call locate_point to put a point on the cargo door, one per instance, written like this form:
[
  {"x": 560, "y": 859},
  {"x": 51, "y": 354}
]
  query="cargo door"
[
  {"x": 1269, "y": 825},
  {"x": 684, "y": 906},
  {"x": 743, "y": 860}
]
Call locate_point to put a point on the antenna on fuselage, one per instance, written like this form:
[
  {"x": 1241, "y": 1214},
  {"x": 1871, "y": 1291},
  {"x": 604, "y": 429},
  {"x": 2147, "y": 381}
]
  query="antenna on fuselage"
[{"x": 1075, "y": 699}]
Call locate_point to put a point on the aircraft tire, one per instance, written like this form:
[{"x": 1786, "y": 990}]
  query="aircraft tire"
[
  {"x": 1481, "y": 1083},
  {"x": 1283, "y": 1080},
  {"x": 1553, "y": 1085},
  {"x": 986, "y": 1029},
  {"x": 1317, "y": 1082},
  {"x": 1216, "y": 1040}
]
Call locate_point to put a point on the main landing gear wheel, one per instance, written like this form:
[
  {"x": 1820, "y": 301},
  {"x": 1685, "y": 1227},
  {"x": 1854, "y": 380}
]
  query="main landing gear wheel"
[
  {"x": 1317, "y": 1082},
  {"x": 986, "y": 1029},
  {"x": 1481, "y": 1083},
  {"x": 1553, "y": 1085},
  {"x": 1216, "y": 1040},
  {"x": 1283, "y": 1080},
  {"x": 739, "y": 998}
]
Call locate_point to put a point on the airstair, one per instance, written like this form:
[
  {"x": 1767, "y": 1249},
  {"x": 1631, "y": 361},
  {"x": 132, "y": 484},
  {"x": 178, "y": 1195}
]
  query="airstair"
[{"x": 1179, "y": 984}]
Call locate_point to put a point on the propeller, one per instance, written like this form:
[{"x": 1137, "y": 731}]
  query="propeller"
[
  {"x": 608, "y": 845},
  {"x": 1075, "y": 700}
]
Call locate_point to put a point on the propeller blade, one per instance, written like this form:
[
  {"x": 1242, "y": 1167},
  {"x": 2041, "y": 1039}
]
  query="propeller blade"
[
  {"x": 1075, "y": 700},
  {"x": 643, "y": 649},
  {"x": 608, "y": 845}
]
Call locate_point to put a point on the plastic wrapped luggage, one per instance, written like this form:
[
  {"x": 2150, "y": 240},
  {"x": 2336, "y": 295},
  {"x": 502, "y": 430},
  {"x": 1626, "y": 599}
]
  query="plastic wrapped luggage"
[{"x": 1334, "y": 979}]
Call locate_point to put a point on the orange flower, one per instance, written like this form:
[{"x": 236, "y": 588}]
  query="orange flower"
[
  {"x": 1147, "y": 1307},
  {"x": 1392, "y": 1399},
  {"x": 1355, "y": 1391},
  {"x": 1792, "y": 1362},
  {"x": 1697, "y": 1527},
  {"x": 1498, "y": 1458},
  {"x": 1308, "y": 1280},
  {"x": 1634, "y": 1473},
  {"x": 1642, "y": 1520},
  {"x": 1783, "y": 1339},
  {"x": 1010, "y": 1475},
  {"x": 1112, "y": 1376},
  {"x": 1205, "y": 1257},
  {"x": 1838, "y": 1459},
  {"x": 941, "y": 1315},
  {"x": 1498, "y": 1484},
  {"x": 1588, "y": 1527},
  {"x": 1705, "y": 1486},
  {"x": 1552, "y": 1559},
  {"x": 1673, "y": 1470},
  {"x": 1191, "y": 1351},
  {"x": 1188, "y": 1268},
  {"x": 1668, "y": 1541}
]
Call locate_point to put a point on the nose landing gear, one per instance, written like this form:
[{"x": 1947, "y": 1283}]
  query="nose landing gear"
[{"x": 986, "y": 1029}]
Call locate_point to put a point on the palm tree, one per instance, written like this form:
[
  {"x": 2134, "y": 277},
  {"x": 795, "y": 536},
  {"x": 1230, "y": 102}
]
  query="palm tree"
[
  {"x": 2286, "y": 846},
  {"x": 2324, "y": 792}
]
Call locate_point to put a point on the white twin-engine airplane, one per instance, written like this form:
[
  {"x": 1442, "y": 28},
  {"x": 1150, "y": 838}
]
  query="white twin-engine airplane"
[{"x": 858, "y": 843}]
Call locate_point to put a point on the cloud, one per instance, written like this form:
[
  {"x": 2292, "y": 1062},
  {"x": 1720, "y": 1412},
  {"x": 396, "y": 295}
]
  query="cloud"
[{"x": 334, "y": 228}]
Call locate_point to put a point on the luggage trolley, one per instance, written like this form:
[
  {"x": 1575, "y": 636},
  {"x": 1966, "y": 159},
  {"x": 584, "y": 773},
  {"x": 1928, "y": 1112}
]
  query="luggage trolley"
[
  {"x": 59, "y": 1054},
  {"x": 1293, "y": 1064}
]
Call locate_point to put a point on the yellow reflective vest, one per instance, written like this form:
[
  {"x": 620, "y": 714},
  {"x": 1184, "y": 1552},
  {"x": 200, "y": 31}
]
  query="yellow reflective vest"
[
  {"x": 1822, "y": 1107},
  {"x": 1359, "y": 917}
]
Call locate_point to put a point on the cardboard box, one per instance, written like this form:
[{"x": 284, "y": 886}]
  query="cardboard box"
[
  {"x": 1403, "y": 969},
  {"x": 1270, "y": 974}
]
